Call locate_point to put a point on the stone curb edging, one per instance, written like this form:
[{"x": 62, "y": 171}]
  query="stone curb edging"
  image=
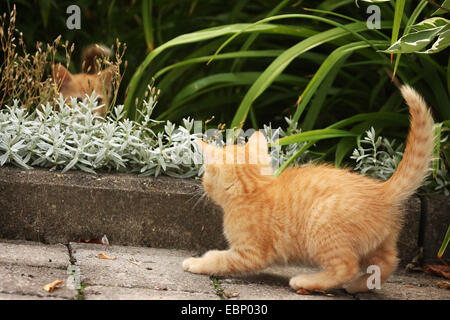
[{"x": 163, "y": 212}]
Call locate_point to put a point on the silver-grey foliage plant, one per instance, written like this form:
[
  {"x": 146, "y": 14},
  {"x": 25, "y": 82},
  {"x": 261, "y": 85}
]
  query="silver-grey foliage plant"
[
  {"x": 379, "y": 157},
  {"x": 74, "y": 138},
  {"x": 69, "y": 136}
]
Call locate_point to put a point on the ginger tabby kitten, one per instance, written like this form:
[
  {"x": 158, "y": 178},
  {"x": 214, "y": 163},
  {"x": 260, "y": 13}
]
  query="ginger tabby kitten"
[
  {"x": 91, "y": 79},
  {"x": 338, "y": 220}
]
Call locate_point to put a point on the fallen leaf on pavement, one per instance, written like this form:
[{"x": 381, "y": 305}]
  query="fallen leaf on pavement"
[
  {"x": 95, "y": 241},
  {"x": 304, "y": 292},
  {"x": 104, "y": 256},
  {"x": 104, "y": 240},
  {"x": 230, "y": 294},
  {"x": 413, "y": 267},
  {"x": 51, "y": 286},
  {"x": 161, "y": 288},
  {"x": 443, "y": 284},
  {"x": 439, "y": 270}
]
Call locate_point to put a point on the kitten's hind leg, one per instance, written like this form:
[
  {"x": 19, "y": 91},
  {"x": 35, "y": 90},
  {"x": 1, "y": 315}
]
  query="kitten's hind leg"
[
  {"x": 226, "y": 262},
  {"x": 385, "y": 257},
  {"x": 336, "y": 271}
]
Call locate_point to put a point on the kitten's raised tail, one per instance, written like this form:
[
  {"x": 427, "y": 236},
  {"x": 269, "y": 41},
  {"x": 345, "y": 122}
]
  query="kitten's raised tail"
[
  {"x": 90, "y": 56},
  {"x": 415, "y": 165}
]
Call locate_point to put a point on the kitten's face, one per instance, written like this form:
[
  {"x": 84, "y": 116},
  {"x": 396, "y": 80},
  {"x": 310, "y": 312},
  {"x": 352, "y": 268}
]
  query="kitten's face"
[
  {"x": 226, "y": 167},
  {"x": 82, "y": 84}
]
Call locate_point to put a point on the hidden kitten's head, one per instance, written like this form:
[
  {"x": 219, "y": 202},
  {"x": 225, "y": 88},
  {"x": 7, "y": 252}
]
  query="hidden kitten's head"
[
  {"x": 235, "y": 169},
  {"x": 90, "y": 80}
]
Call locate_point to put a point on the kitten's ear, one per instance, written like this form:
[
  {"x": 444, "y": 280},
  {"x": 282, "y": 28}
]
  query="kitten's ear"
[
  {"x": 107, "y": 75},
  {"x": 61, "y": 75}
]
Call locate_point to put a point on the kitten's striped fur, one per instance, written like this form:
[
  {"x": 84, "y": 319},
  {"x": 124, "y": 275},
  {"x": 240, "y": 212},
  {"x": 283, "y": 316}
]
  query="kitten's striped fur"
[{"x": 336, "y": 219}]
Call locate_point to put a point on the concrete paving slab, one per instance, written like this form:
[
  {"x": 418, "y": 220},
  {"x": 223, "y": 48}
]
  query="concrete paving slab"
[
  {"x": 22, "y": 280},
  {"x": 394, "y": 291},
  {"x": 34, "y": 254},
  {"x": 259, "y": 291},
  {"x": 273, "y": 284},
  {"x": 139, "y": 273},
  {"x": 121, "y": 293},
  {"x": 4, "y": 296},
  {"x": 143, "y": 268},
  {"x": 409, "y": 286}
]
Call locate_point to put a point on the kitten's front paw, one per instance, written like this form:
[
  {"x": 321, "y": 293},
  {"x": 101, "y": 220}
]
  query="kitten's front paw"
[
  {"x": 299, "y": 282},
  {"x": 193, "y": 265},
  {"x": 303, "y": 282}
]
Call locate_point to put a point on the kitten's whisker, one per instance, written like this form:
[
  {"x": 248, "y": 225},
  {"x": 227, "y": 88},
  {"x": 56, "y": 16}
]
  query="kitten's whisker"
[
  {"x": 201, "y": 198},
  {"x": 197, "y": 193}
]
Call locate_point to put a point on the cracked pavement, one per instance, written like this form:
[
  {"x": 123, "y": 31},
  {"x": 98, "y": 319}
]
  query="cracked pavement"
[{"x": 156, "y": 274}]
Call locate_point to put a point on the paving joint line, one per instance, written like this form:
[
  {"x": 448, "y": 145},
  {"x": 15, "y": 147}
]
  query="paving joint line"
[{"x": 73, "y": 263}]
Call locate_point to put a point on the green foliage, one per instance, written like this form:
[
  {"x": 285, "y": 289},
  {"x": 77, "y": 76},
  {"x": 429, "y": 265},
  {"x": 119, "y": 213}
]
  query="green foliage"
[
  {"x": 339, "y": 55},
  {"x": 444, "y": 243},
  {"x": 376, "y": 156},
  {"x": 75, "y": 138},
  {"x": 441, "y": 11},
  {"x": 434, "y": 32},
  {"x": 249, "y": 63},
  {"x": 379, "y": 158},
  {"x": 66, "y": 135}
]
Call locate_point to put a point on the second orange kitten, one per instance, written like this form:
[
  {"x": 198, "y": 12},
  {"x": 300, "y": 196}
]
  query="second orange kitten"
[{"x": 91, "y": 79}]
